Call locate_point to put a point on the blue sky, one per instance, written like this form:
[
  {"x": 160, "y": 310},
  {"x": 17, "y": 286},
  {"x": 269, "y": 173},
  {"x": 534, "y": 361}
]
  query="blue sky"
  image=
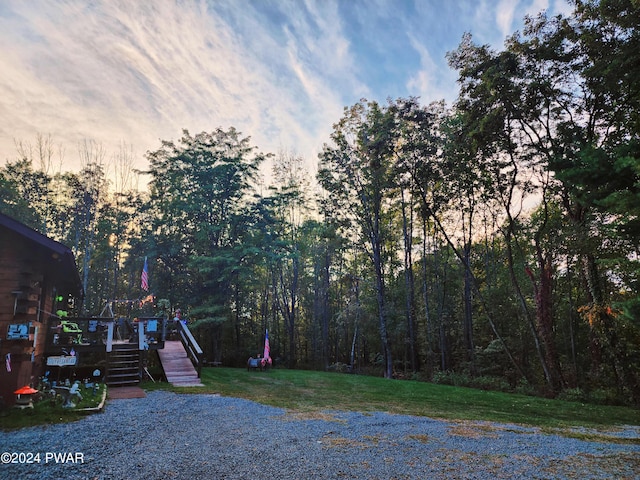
[{"x": 134, "y": 72}]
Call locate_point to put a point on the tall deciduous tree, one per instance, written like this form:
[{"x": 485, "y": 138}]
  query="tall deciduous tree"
[
  {"x": 92, "y": 190},
  {"x": 289, "y": 209},
  {"x": 489, "y": 108},
  {"x": 358, "y": 168},
  {"x": 550, "y": 100},
  {"x": 200, "y": 191},
  {"x": 15, "y": 199},
  {"x": 416, "y": 141}
]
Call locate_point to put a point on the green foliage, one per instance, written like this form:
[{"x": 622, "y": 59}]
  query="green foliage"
[
  {"x": 13, "y": 203},
  {"x": 572, "y": 395},
  {"x": 599, "y": 396},
  {"x": 200, "y": 210},
  {"x": 483, "y": 382}
]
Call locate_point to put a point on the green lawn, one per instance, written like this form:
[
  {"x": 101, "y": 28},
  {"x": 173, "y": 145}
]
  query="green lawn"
[
  {"x": 310, "y": 391},
  {"x": 313, "y": 391}
]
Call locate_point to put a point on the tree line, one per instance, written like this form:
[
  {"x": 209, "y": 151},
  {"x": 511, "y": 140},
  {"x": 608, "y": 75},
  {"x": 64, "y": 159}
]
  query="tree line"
[{"x": 490, "y": 243}]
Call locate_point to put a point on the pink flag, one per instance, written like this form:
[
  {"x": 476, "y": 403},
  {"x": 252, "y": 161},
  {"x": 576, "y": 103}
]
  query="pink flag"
[
  {"x": 267, "y": 349},
  {"x": 8, "y": 362}
]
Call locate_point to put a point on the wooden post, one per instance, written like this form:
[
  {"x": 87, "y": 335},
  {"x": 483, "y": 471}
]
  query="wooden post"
[
  {"x": 141, "y": 342},
  {"x": 109, "y": 337}
]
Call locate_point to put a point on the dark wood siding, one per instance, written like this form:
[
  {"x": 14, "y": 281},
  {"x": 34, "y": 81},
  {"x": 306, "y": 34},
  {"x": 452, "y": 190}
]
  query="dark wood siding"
[{"x": 30, "y": 271}]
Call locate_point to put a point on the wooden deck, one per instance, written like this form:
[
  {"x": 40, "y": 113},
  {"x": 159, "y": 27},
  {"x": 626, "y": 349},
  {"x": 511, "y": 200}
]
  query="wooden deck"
[{"x": 177, "y": 367}]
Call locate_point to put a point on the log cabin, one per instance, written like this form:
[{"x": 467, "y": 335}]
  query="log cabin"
[{"x": 36, "y": 272}]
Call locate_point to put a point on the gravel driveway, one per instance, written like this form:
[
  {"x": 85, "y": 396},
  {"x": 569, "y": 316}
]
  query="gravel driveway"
[{"x": 172, "y": 436}]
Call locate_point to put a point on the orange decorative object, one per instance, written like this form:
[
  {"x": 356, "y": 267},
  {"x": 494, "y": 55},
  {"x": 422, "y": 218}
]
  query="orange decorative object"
[{"x": 26, "y": 390}]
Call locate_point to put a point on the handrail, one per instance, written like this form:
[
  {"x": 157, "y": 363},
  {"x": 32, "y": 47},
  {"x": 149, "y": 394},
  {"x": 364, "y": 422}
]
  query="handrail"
[{"x": 194, "y": 352}]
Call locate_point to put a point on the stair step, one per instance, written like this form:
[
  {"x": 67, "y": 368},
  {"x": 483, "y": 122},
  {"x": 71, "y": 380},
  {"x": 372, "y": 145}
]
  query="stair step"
[
  {"x": 121, "y": 376},
  {"x": 182, "y": 377},
  {"x": 123, "y": 383},
  {"x": 124, "y": 365}
]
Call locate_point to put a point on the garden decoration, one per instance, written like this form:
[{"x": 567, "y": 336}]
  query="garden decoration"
[{"x": 24, "y": 397}]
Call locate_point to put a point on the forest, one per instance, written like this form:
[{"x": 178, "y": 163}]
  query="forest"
[{"x": 490, "y": 243}]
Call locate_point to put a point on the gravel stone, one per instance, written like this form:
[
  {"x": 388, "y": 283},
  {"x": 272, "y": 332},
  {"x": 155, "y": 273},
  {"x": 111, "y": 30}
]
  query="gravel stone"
[{"x": 176, "y": 436}]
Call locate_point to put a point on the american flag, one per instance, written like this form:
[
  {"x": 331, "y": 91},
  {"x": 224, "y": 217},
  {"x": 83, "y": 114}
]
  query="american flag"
[
  {"x": 144, "y": 278},
  {"x": 267, "y": 348}
]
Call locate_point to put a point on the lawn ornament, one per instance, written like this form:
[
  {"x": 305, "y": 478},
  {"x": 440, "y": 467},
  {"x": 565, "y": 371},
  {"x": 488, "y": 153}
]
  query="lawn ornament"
[
  {"x": 24, "y": 397},
  {"x": 257, "y": 364},
  {"x": 71, "y": 331},
  {"x": 68, "y": 394}
]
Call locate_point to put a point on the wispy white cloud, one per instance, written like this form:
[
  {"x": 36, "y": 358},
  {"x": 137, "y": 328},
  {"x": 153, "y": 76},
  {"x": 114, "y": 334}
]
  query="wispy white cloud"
[
  {"x": 551, "y": 7},
  {"x": 536, "y": 7},
  {"x": 505, "y": 12},
  {"x": 141, "y": 71},
  {"x": 319, "y": 57},
  {"x": 280, "y": 71},
  {"x": 428, "y": 82},
  {"x": 561, "y": 7}
]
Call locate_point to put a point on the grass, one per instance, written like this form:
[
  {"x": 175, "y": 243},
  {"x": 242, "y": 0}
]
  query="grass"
[
  {"x": 311, "y": 393},
  {"x": 308, "y": 391},
  {"x": 48, "y": 411}
]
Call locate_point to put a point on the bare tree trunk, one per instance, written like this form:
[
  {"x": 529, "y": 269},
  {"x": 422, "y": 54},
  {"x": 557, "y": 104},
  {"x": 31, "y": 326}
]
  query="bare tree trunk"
[
  {"x": 468, "y": 307},
  {"x": 376, "y": 244},
  {"x": 323, "y": 310},
  {"x": 425, "y": 295},
  {"x": 442, "y": 326},
  {"x": 507, "y": 203},
  {"x": 543, "y": 289},
  {"x": 407, "y": 231},
  {"x": 523, "y": 304},
  {"x": 382, "y": 319},
  {"x": 287, "y": 304},
  {"x": 480, "y": 297}
]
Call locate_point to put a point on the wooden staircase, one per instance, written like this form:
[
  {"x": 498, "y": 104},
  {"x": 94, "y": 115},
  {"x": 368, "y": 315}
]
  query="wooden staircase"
[
  {"x": 177, "y": 366},
  {"x": 124, "y": 365}
]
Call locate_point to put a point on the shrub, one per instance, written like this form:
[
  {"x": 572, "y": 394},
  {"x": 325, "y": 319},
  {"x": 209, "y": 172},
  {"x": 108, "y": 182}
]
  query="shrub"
[
  {"x": 339, "y": 367},
  {"x": 451, "y": 378},
  {"x": 523, "y": 387},
  {"x": 483, "y": 382},
  {"x": 605, "y": 396},
  {"x": 487, "y": 382},
  {"x": 572, "y": 395}
]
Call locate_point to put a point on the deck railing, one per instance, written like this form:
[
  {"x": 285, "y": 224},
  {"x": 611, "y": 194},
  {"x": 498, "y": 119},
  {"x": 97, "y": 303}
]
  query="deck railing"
[
  {"x": 194, "y": 352},
  {"x": 94, "y": 333},
  {"x": 71, "y": 333}
]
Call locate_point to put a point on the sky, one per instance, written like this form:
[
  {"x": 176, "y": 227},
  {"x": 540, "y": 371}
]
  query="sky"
[{"x": 124, "y": 75}]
